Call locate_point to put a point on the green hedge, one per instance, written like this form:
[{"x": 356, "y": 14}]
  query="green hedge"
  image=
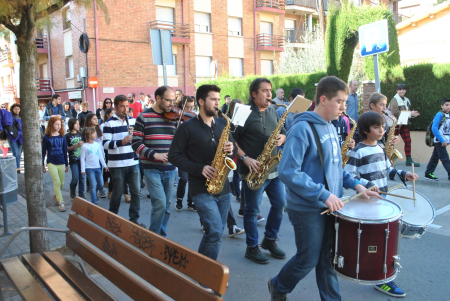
[
  {"x": 427, "y": 85},
  {"x": 239, "y": 87}
]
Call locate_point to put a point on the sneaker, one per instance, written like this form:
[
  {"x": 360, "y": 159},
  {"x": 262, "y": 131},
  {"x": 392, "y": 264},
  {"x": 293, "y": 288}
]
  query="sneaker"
[
  {"x": 274, "y": 295},
  {"x": 260, "y": 219},
  {"x": 255, "y": 255},
  {"x": 238, "y": 199},
  {"x": 88, "y": 191},
  {"x": 73, "y": 194},
  {"x": 109, "y": 195},
  {"x": 241, "y": 213},
  {"x": 101, "y": 194},
  {"x": 62, "y": 206},
  {"x": 178, "y": 206},
  {"x": 192, "y": 207},
  {"x": 271, "y": 246},
  {"x": 390, "y": 289},
  {"x": 148, "y": 196},
  {"x": 139, "y": 224},
  {"x": 127, "y": 198},
  {"x": 203, "y": 229},
  {"x": 235, "y": 231},
  {"x": 430, "y": 176},
  {"x": 82, "y": 196},
  {"x": 410, "y": 162}
]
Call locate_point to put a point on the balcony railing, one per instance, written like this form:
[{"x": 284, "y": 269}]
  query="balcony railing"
[
  {"x": 178, "y": 30},
  {"x": 277, "y": 4},
  {"x": 304, "y": 3},
  {"x": 297, "y": 35},
  {"x": 5, "y": 55},
  {"x": 399, "y": 18},
  {"x": 11, "y": 90},
  {"x": 43, "y": 84},
  {"x": 41, "y": 42},
  {"x": 266, "y": 40}
]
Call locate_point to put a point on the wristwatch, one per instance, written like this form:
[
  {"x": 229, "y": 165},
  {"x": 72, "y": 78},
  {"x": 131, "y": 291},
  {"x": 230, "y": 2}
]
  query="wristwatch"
[{"x": 243, "y": 158}]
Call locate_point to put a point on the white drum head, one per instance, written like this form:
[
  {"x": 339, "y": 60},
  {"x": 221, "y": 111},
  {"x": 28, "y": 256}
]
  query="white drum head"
[
  {"x": 370, "y": 209},
  {"x": 422, "y": 214}
]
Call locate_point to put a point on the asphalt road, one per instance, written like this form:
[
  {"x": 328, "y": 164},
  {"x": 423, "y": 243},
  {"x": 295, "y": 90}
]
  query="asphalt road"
[{"x": 424, "y": 261}]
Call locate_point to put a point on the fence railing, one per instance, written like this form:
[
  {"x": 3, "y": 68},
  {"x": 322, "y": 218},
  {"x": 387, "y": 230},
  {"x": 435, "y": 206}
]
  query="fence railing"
[
  {"x": 297, "y": 35},
  {"x": 178, "y": 30},
  {"x": 399, "y": 18},
  {"x": 278, "y": 4},
  {"x": 41, "y": 42},
  {"x": 43, "y": 84},
  {"x": 269, "y": 40},
  {"x": 305, "y": 3},
  {"x": 5, "y": 55},
  {"x": 10, "y": 89}
]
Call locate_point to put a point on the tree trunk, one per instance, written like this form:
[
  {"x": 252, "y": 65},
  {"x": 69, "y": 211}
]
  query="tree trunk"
[{"x": 37, "y": 216}]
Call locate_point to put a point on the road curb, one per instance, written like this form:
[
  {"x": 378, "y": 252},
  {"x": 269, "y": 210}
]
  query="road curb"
[{"x": 53, "y": 219}]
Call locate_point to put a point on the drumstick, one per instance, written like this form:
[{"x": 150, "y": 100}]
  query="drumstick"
[
  {"x": 396, "y": 186},
  {"x": 414, "y": 185},
  {"x": 352, "y": 198},
  {"x": 399, "y": 196}
]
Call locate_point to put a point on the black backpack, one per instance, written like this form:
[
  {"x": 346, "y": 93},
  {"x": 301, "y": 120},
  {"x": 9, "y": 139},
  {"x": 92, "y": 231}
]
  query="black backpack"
[{"x": 429, "y": 136}]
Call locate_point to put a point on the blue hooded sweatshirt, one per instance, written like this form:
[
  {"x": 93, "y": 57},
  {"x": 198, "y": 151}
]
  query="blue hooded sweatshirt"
[{"x": 300, "y": 168}]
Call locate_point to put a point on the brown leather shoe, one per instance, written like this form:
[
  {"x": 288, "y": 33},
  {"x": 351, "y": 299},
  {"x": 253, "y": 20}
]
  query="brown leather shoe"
[{"x": 127, "y": 198}]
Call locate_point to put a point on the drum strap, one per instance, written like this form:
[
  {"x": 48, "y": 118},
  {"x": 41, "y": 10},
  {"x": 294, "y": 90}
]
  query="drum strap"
[{"x": 319, "y": 148}]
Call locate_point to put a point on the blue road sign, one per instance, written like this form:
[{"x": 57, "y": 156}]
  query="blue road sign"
[
  {"x": 155, "y": 38},
  {"x": 374, "y": 38}
]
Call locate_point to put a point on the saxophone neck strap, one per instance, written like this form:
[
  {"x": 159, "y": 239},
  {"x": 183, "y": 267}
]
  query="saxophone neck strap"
[{"x": 319, "y": 148}]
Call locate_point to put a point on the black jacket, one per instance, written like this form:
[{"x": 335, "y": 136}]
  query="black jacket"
[{"x": 82, "y": 118}]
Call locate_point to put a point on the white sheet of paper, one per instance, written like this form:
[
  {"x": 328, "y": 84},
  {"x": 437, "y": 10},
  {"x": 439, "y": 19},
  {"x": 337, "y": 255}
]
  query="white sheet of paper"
[
  {"x": 299, "y": 105},
  {"x": 240, "y": 114},
  {"x": 403, "y": 118}
]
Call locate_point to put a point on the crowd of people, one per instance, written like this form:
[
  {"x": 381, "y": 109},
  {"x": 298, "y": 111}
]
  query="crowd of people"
[{"x": 129, "y": 144}]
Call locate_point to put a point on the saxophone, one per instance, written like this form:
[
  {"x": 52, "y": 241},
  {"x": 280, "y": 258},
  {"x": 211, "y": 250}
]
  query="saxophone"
[
  {"x": 267, "y": 163},
  {"x": 221, "y": 163},
  {"x": 345, "y": 148},
  {"x": 391, "y": 152}
]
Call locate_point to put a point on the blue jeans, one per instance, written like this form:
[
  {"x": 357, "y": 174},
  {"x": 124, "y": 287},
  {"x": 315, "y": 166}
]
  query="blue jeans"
[
  {"x": 16, "y": 149},
  {"x": 236, "y": 184},
  {"x": 126, "y": 175},
  {"x": 161, "y": 185},
  {"x": 213, "y": 213},
  {"x": 439, "y": 153},
  {"x": 95, "y": 177},
  {"x": 276, "y": 192},
  {"x": 313, "y": 238},
  {"x": 77, "y": 178}
]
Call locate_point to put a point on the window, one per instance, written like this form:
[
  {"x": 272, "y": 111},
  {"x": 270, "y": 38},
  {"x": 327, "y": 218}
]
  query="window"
[
  {"x": 170, "y": 69},
  {"x": 234, "y": 26},
  {"x": 202, "y": 22},
  {"x": 165, "y": 15},
  {"x": 265, "y": 28},
  {"x": 266, "y": 67},
  {"x": 203, "y": 66},
  {"x": 66, "y": 19},
  {"x": 236, "y": 67},
  {"x": 69, "y": 67}
]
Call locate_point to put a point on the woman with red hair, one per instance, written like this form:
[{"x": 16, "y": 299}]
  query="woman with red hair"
[{"x": 55, "y": 146}]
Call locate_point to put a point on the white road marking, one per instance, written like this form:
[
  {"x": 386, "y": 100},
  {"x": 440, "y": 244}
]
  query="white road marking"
[
  {"x": 442, "y": 210},
  {"x": 434, "y": 226}
]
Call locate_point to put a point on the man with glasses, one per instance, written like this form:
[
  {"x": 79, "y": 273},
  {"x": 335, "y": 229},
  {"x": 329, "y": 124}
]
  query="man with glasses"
[
  {"x": 152, "y": 137},
  {"x": 135, "y": 105},
  {"x": 401, "y": 103},
  {"x": 3, "y": 107}
]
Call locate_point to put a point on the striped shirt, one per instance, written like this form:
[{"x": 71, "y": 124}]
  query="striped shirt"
[
  {"x": 153, "y": 134},
  {"x": 370, "y": 165},
  {"x": 114, "y": 130}
]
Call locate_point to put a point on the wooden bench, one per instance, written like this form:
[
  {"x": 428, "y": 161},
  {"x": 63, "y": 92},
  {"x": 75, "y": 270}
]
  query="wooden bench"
[{"x": 142, "y": 264}]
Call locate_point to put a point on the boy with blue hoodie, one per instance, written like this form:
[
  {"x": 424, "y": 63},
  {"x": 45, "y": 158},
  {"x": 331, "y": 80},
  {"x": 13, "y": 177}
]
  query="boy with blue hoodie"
[
  {"x": 441, "y": 131},
  {"x": 312, "y": 187}
]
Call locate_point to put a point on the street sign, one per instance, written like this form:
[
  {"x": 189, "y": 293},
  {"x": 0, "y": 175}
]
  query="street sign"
[
  {"x": 93, "y": 82},
  {"x": 374, "y": 38},
  {"x": 156, "y": 36},
  {"x": 75, "y": 95}
]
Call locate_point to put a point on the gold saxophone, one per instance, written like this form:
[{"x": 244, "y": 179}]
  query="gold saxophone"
[
  {"x": 391, "y": 152},
  {"x": 345, "y": 148},
  {"x": 221, "y": 163},
  {"x": 267, "y": 163}
]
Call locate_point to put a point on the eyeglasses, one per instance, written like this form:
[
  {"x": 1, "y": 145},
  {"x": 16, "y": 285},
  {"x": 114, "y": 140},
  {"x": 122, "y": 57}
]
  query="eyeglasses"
[
  {"x": 108, "y": 102},
  {"x": 39, "y": 106},
  {"x": 189, "y": 108},
  {"x": 169, "y": 100}
]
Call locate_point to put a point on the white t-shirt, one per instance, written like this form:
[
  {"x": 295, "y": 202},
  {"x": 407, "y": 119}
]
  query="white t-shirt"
[{"x": 91, "y": 156}]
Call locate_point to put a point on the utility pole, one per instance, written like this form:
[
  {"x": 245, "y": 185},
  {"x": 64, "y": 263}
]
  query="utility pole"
[{"x": 321, "y": 19}]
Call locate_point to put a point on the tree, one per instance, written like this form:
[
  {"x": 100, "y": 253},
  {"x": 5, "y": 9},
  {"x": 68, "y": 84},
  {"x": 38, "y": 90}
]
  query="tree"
[{"x": 20, "y": 17}]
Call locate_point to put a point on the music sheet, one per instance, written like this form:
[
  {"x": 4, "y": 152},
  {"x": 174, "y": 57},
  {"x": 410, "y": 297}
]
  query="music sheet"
[
  {"x": 240, "y": 114},
  {"x": 299, "y": 105},
  {"x": 403, "y": 118}
]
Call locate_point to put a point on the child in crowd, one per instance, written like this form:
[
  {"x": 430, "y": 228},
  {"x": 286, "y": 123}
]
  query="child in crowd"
[
  {"x": 91, "y": 159},
  {"x": 55, "y": 146},
  {"x": 83, "y": 114},
  {"x": 130, "y": 112},
  {"x": 370, "y": 164},
  {"x": 441, "y": 131},
  {"x": 17, "y": 143},
  {"x": 92, "y": 121},
  {"x": 74, "y": 143}
]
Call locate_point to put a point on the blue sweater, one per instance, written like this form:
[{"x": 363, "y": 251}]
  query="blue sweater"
[
  {"x": 441, "y": 132},
  {"x": 56, "y": 149},
  {"x": 300, "y": 168}
]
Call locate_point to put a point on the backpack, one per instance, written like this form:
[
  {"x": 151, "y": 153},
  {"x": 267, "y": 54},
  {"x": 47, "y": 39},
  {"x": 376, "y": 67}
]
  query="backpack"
[{"x": 429, "y": 136}]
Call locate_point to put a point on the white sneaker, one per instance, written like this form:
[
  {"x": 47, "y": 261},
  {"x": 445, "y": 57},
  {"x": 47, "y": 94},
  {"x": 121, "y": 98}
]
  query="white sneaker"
[
  {"x": 62, "y": 207},
  {"x": 236, "y": 231}
]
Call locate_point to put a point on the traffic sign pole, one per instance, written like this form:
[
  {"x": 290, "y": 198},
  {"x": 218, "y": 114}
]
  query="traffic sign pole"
[
  {"x": 377, "y": 73},
  {"x": 163, "y": 52},
  {"x": 95, "y": 108}
]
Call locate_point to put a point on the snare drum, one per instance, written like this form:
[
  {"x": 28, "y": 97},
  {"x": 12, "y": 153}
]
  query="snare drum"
[
  {"x": 415, "y": 219},
  {"x": 366, "y": 239}
]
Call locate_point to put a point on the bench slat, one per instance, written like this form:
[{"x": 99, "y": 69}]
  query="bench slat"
[
  {"x": 116, "y": 273},
  {"x": 28, "y": 288},
  {"x": 156, "y": 273},
  {"x": 83, "y": 284},
  {"x": 53, "y": 282},
  {"x": 194, "y": 265}
]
